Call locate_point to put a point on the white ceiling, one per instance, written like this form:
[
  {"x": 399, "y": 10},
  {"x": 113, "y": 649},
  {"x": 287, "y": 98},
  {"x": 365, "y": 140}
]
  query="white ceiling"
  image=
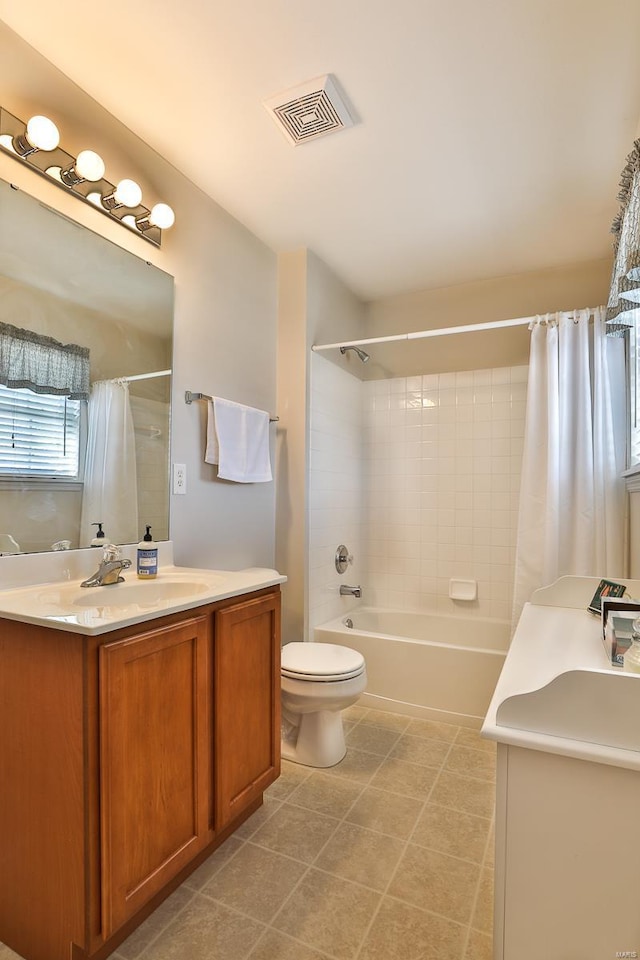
[{"x": 489, "y": 141}]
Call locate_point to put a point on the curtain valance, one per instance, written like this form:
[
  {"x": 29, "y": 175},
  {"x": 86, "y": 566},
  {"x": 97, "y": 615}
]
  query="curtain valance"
[
  {"x": 43, "y": 364},
  {"x": 624, "y": 296}
]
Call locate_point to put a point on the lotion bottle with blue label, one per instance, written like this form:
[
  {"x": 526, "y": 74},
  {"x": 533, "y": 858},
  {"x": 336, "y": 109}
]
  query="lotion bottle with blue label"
[{"x": 147, "y": 566}]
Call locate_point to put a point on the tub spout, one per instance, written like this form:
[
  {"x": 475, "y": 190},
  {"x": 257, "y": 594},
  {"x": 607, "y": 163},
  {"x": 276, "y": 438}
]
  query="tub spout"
[{"x": 347, "y": 591}]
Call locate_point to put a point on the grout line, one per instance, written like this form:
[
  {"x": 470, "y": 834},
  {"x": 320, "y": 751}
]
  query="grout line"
[{"x": 385, "y": 892}]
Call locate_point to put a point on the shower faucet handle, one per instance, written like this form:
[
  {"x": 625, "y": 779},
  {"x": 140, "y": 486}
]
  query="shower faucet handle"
[{"x": 343, "y": 558}]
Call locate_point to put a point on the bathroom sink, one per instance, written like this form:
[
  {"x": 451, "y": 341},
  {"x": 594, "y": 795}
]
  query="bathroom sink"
[
  {"x": 151, "y": 593},
  {"x": 65, "y": 605}
]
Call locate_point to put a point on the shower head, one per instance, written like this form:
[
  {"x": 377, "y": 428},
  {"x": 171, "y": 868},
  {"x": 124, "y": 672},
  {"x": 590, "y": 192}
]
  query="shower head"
[{"x": 363, "y": 356}]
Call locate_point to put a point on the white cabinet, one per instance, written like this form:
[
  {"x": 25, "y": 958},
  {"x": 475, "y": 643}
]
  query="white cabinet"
[{"x": 568, "y": 788}]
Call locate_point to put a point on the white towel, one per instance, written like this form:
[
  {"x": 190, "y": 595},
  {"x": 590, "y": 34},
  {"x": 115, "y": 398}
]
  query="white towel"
[{"x": 238, "y": 441}]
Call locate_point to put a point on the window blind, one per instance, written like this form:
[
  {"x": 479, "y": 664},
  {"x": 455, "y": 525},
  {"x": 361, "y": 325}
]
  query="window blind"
[{"x": 39, "y": 435}]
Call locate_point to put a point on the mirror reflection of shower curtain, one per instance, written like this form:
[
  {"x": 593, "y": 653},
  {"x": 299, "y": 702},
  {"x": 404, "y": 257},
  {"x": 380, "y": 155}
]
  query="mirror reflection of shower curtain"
[{"x": 110, "y": 482}]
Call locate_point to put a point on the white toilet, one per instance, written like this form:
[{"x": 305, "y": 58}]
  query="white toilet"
[{"x": 319, "y": 680}]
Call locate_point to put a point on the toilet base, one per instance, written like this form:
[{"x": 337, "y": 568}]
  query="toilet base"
[{"x": 319, "y": 741}]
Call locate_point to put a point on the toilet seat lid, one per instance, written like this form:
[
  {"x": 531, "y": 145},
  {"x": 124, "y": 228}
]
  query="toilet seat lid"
[{"x": 320, "y": 661}]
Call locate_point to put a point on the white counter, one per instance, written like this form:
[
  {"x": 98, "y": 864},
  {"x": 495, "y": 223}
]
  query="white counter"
[
  {"x": 45, "y": 590},
  {"x": 558, "y": 691}
]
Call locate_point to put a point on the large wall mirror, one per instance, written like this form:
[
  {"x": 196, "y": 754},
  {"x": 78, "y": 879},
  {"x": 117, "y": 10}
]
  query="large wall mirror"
[{"x": 66, "y": 462}]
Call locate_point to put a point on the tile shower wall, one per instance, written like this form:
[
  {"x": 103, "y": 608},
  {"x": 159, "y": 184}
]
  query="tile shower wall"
[
  {"x": 442, "y": 459},
  {"x": 335, "y": 487}
]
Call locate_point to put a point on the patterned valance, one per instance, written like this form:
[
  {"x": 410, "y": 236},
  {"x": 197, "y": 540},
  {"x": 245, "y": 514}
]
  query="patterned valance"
[
  {"x": 624, "y": 296},
  {"x": 42, "y": 364}
]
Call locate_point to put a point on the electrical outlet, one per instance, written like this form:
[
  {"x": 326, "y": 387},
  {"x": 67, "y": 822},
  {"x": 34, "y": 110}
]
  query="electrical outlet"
[{"x": 179, "y": 478}]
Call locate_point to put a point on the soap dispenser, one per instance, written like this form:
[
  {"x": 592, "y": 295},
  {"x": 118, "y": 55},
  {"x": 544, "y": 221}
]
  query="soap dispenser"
[
  {"x": 147, "y": 565},
  {"x": 98, "y": 540}
]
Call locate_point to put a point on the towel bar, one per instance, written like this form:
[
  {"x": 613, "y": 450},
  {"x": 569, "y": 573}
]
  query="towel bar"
[{"x": 189, "y": 397}]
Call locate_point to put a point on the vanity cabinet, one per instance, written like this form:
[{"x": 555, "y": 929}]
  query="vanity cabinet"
[
  {"x": 155, "y": 717},
  {"x": 247, "y": 698},
  {"x": 126, "y": 759}
]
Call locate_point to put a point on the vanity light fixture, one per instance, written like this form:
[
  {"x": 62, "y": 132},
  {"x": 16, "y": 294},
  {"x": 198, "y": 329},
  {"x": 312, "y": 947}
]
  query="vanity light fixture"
[{"x": 37, "y": 144}]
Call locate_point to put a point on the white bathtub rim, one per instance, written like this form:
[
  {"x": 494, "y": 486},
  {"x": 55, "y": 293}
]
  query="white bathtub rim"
[{"x": 338, "y": 626}]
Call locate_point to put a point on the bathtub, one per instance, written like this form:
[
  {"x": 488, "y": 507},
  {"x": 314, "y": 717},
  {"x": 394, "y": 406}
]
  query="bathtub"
[{"x": 430, "y": 665}]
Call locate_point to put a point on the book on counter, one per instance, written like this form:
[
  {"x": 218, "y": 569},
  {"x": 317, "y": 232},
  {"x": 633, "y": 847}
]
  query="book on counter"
[
  {"x": 617, "y": 627},
  {"x": 606, "y": 588}
]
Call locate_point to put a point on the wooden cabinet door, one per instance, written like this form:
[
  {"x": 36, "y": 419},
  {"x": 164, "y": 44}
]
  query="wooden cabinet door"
[
  {"x": 247, "y": 703},
  {"x": 155, "y": 761}
]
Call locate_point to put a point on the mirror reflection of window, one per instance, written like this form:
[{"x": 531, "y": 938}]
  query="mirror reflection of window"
[{"x": 39, "y": 435}]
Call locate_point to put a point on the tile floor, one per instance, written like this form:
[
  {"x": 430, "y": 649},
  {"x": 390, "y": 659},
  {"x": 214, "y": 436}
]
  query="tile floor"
[{"x": 387, "y": 856}]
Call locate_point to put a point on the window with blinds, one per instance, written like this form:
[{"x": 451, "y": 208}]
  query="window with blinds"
[
  {"x": 634, "y": 393},
  {"x": 39, "y": 435}
]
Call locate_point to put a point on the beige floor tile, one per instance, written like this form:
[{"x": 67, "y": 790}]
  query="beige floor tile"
[
  {"x": 427, "y": 752},
  {"x": 147, "y": 932},
  {"x": 296, "y": 832},
  {"x": 277, "y": 946},
  {"x": 292, "y": 775},
  {"x": 433, "y": 729},
  {"x": 391, "y": 721},
  {"x": 356, "y": 765},
  {"x": 378, "y": 740},
  {"x": 256, "y": 882},
  {"x": 437, "y": 882},
  {"x": 453, "y": 832},
  {"x": 205, "y": 930},
  {"x": 7, "y": 954},
  {"x": 355, "y": 712},
  {"x": 328, "y": 913},
  {"x": 483, "y": 913},
  {"x": 402, "y": 932},
  {"x": 464, "y": 793},
  {"x": 479, "y": 946},
  {"x": 385, "y": 812},
  {"x": 326, "y": 794},
  {"x": 361, "y": 855},
  {"x": 467, "y": 737},
  {"x": 471, "y": 763},
  {"x": 255, "y": 821},
  {"x": 407, "y": 779},
  {"x": 214, "y": 863}
]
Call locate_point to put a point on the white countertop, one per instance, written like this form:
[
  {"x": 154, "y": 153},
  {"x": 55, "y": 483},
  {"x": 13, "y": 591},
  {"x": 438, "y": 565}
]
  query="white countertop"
[
  {"x": 558, "y": 691},
  {"x": 62, "y": 604}
]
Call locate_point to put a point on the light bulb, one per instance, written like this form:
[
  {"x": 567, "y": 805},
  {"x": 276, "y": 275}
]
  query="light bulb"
[
  {"x": 162, "y": 216},
  {"x": 42, "y": 133},
  {"x": 89, "y": 166},
  {"x": 128, "y": 194}
]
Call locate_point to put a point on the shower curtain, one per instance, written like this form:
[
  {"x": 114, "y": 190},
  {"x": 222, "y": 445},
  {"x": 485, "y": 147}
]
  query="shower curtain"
[
  {"x": 572, "y": 499},
  {"x": 110, "y": 493}
]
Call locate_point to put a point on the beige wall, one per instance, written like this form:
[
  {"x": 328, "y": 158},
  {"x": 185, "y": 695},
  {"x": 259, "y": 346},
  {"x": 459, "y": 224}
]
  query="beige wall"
[
  {"x": 503, "y": 298},
  {"x": 225, "y": 305},
  {"x": 313, "y": 305}
]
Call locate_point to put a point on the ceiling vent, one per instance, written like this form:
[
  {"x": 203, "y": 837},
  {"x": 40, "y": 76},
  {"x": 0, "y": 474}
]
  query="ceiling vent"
[{"x": 309, "y": 111}]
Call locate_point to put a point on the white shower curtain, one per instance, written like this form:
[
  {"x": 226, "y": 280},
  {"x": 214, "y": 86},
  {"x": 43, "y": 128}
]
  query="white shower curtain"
[
  {"x": 572, "y": 499},
  {"x": 110, "y": 485}
]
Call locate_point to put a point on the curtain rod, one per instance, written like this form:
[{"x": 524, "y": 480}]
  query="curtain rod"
[
  {"x": 440, "y": 332},
  {"x": 146, "y": 376}
]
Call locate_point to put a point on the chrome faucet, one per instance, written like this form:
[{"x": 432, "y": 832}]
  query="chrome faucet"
[
  {"x": 347, "y": 591},
  {"x": 111, "y": 565}
]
